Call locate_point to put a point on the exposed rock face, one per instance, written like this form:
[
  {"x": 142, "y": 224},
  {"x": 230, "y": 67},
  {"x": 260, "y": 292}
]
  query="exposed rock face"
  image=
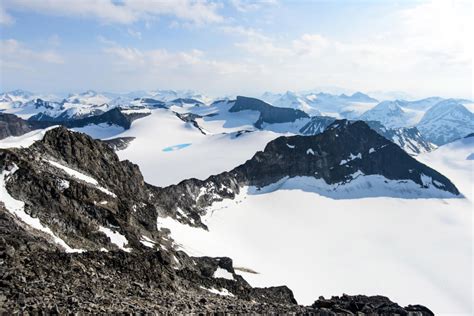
[
  {"x": 77, "y": 188},
  {"x": 12, "y": 125},
  {"x": 368, "y": 305},
  {"x": 119, "y": 143},
  {"x": 99, "y": 192},
  {"x": 268, "y": 114},
  {"x": 408, "y": 138},
  {"x": 316, "y": 125},
  {"x": 344, "y": 150}
]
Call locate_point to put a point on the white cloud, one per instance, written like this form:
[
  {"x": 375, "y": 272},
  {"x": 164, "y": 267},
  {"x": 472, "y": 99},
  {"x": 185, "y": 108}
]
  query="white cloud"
[
  {"x": 180, "y": 64},
  {"x": 5, "y": 18},
  {"x": 426, "y": 50},
  {"x": 17, "y": 55},
  {"x": 251, "y": 5},
  {"x": 125, "y": 12},
  {"x": 135, "y": 34}
]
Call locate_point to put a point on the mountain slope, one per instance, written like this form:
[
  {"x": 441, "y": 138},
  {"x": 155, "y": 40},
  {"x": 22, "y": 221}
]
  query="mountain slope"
[
  {"x": 389, "y": 113},
  {"x": 446, "y": 121},
  {"x": 348, "y": 160},
  {"x": 408, "y": 138},
  {"x": 268, "y": 114},
  {"x": 293, "y": 101}
]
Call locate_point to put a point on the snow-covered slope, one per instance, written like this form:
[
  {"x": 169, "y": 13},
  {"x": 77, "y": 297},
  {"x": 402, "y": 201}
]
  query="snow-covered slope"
[
  {"x": 389, "y": 113},
  {"x": 292, "y": 100},
  {"x": 88, "y": 97},
  {"x": 432, "y": 253},
  {"x": 446, "y": 121},
  {"x": 169, "y": 150}
]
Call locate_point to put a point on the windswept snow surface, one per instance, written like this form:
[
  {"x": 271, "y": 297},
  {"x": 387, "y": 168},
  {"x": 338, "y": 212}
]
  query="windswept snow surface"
[
  {"x": 208, "y": 154},
  {"x": 411, "y": 250}
]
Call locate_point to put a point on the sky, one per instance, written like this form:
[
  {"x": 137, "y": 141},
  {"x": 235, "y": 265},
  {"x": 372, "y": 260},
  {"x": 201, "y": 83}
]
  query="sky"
[{"x": 422, "y": 48}]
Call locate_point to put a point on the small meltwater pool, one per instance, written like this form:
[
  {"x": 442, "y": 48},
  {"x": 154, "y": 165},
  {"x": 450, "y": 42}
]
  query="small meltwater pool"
[{"x": 176, "y": 147}]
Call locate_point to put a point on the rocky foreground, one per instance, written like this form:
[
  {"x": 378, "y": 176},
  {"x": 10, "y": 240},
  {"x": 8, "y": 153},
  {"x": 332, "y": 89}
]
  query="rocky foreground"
[
  {"x": 37, "y": 277},
  {"x": 79, "y": 233}
]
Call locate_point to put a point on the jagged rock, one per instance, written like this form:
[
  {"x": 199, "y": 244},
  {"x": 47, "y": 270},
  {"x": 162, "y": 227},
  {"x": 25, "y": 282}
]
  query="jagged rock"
[
  {"x": 11, "y": 125},
  {"x": 372, "y": 305}
]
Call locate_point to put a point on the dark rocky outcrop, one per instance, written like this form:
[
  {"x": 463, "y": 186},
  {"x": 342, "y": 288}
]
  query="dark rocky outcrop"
[
  {"x": 119, "y": 143},
  {"x": 12, "y": 125},
  {"x": 316, "y": 125},
  {"x": 191, "y": 118},
  {"x": 268, "y": 113},
  {"x": 367, "y": 305}
]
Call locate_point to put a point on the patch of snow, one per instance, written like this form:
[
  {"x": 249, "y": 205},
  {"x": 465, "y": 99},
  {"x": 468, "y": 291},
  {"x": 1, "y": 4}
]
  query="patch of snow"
[
  {"x": 371, "y": 150},
  {"x": 222, "y": 273},
  {"x": 427, "y": 181},
  {"x": 147, "y": 242},
  {"x": 351, "y": 157},
  {"x": 223, "y": 291},
  {"x": 73, "y": 173},
  {"x": 80, "y": 176},
  {"x": 63, "y": 184},
  {"x": 115, "y": 238},
  {"x": 290, "y": 146},
  {"x": 310, "y": 151}
]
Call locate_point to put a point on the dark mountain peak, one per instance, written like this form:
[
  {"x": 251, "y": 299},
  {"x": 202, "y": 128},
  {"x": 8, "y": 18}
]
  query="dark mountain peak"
[
  {"x": 347, "y": 160},
  {"x": 344, "y": 149},
  {"x": 268, "y": 113}
]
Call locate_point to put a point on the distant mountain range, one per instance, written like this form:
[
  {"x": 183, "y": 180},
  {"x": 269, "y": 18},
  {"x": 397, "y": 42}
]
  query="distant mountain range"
[{"x": 437, "y": 120}]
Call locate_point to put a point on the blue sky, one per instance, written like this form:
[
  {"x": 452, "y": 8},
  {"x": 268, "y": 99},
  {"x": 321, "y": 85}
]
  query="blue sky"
[{"x": 238, "y": 46}]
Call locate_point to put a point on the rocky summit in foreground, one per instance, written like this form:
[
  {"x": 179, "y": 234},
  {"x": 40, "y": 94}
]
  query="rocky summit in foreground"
[{"x": 79, "y": 233}]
